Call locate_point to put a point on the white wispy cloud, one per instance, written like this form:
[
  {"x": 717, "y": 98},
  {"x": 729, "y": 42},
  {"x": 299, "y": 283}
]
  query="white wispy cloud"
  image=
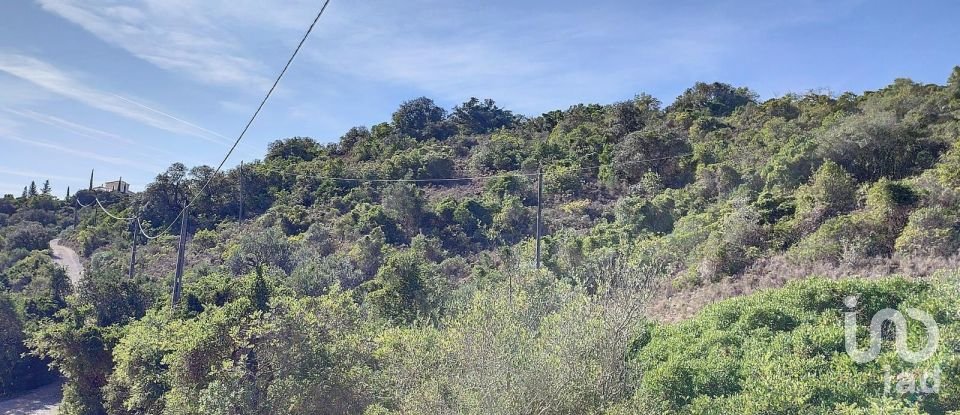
[
  {"x": 528, "y": 55},
  {"x": 75, "y": 128},
  {"x": 138, "y": 163},
  {"x": 33, "y": 174},
  {"x": 180, "y": 36},
  {"x": 134, "y": 147},
  {"x": 54, "y": 80}
]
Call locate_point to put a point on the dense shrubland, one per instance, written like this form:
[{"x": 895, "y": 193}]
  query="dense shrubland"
[{"x": 344, "y": 292}]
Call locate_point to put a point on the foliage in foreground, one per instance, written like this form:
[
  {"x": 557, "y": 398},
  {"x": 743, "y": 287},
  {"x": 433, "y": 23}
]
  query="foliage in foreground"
[{"x": 782, "y": 352}]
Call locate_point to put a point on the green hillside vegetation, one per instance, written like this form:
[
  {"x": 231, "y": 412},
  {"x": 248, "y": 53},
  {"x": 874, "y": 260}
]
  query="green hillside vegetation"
[{"x": 349, "y": 290}]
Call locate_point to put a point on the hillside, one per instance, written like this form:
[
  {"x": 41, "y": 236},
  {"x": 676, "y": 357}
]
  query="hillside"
[{"x": 394, "y": 269}]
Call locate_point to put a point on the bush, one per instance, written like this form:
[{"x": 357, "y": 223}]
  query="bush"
[
  {"x": 831, "y": 191},
  {"x": 734, "y": 246},
  {"x": 562, "y": 180},
  {"x": 848, "y": 238},
  {"x": 407, "y": 288},
  {"x": 876, "y": 144},
  {"x": 254, "y": 251},
  {"x": 29, "y": 236},
  {"x": 18, "y": 371},
  {"x": 206, "y": 239},
  {"x": 309, "y": 355},
  {"x": 501, "y": 152},
  {"x": 782, "y": 351},
  {"x": 317, "y": 276},
  {"x": 930, "y": 231}
]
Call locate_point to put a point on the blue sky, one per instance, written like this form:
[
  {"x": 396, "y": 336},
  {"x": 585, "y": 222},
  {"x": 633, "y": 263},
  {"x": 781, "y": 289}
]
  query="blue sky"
[{"x": 128, "y": 87}]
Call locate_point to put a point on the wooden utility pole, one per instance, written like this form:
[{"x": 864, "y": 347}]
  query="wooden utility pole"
[
  {"x": 241, "y": 192},
  {"x": 134, "y": 229},
  {"x": 539, "y": 210},
  {"x": 178, "y": 278}
]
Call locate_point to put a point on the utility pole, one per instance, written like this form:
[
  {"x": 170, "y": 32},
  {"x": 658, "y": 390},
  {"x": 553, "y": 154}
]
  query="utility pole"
[
  {"x": 134, "y": 228},
  {"x": 178, "y": 278},
  {"x": 241, "y": 192},
  {"x": 539, "y": 210}
]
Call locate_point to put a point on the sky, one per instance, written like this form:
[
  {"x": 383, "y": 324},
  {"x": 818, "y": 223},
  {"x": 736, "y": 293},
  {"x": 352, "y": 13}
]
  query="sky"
[{"x": 128, "y": 87}]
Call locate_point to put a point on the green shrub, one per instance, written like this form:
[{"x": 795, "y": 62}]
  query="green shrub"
[
  {"x": 931, "y": 231},
  {"x": 28, "y": 235},
  {"x": 782, "y": 352},
  {"x": 831, "y": 191},
  {"x": 206, "y": 239},
  {"x": 255, "y": 251}
]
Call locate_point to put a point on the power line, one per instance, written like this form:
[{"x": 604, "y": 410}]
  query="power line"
[
  {"x": 513, "y": 173},
  {"x": 252, "y": 118},
  {"x": 108, "y": 212}
]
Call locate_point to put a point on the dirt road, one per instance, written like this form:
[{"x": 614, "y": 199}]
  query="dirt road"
[
  {"x": 67, "y": 258},
  {"x": 46, "y": 400},
  {"x": 40, "y": 401}
]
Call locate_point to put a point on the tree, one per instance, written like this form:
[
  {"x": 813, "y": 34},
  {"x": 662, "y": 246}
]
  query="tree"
[
  {"x": 33, "y": 189},
  {"x": 81, "y": 351},
  {"x": 353, "y": 137},
  {"x": 404, "y": 203},
  {"x": 293, "y": 149},
  {"x": 18, "y": 370},
  {"x": 656, "y": 148},
  {"x": 46, "y": 189},
  {"x": 876, "y": 144},
  {"x": 316, "y": 276},
  {"x": 406, "y": 288},
  {"x": 421, "y": 119},
  {"x": 716, "y": 99},
  {"x": 256, "y": 250},
  {"x": 67, "y": 197},
  {"x": 953, "y": 83},
  {"x": 625, "y": 117},
  {"x": 165, "y": 197},
  {"x": 831, "y": 191},
  {"x": 480, "y": 117},
  {"x": 28, "y": 235}
]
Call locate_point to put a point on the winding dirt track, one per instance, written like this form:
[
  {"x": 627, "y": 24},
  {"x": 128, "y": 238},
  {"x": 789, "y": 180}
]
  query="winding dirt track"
[
  {"x": 46, "y": 399},
  {"x": 67, "y": 258}
]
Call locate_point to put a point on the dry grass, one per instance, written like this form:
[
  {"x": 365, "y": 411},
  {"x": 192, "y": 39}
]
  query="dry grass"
[{"x": 673, "y": 304}]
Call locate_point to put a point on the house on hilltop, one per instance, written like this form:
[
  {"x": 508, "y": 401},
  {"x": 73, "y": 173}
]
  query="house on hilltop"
[{"x": 118, "y": 186}]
